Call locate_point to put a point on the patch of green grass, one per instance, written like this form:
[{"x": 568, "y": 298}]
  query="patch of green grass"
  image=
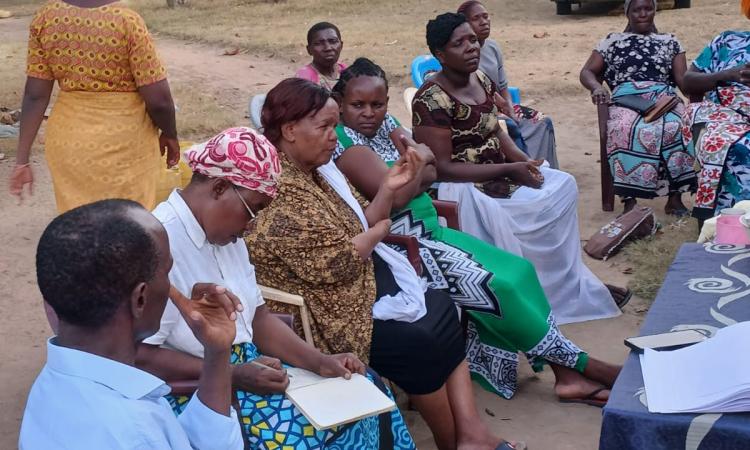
[{"x": 650, "y": 258}]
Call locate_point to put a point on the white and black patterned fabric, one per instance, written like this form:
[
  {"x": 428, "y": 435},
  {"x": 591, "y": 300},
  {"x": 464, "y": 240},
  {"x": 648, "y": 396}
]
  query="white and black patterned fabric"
[{"x": 639, "y": 57}]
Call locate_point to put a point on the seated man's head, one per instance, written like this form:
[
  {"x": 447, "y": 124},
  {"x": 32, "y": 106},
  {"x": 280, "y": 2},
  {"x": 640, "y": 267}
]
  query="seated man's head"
[
  {"x": 300, "y": 118},
  {"x": 103, "y": 265},
  {"x": 454, "y": 43},
  {"x": 324, "y": 44},
  {"x": 235, "y": 176},
  {"x": 362, "y": 94}
]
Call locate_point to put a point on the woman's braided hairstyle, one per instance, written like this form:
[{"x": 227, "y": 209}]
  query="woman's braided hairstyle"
[{"x": 361, "y": 67}]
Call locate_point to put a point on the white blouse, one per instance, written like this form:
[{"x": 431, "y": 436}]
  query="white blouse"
[{"x": 198, "y": 261}]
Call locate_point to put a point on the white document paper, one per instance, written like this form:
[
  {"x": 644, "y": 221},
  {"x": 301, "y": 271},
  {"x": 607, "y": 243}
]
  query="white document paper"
[
  {"x": 328, "y": 402},
  {"x": 709, "y": 377}
]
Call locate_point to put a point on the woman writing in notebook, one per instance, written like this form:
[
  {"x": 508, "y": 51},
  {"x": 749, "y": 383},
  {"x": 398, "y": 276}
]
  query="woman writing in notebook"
[{"x": 235, "y": 176}]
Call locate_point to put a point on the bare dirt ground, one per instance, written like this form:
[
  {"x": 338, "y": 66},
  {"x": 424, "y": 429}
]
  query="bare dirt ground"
[{"x": 546, "y": 68}]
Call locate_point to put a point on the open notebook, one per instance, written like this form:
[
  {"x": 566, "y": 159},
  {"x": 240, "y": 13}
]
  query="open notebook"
[
  {"x": 709, "y": 377},
  {"x": 328, "y": 402}
]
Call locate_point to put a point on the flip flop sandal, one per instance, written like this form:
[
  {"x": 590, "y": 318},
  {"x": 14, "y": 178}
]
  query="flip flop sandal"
[
  {"x": 621, "y": 295},
  {"x": 508, "y": 446},
  {"x": 590, "y": 399}
]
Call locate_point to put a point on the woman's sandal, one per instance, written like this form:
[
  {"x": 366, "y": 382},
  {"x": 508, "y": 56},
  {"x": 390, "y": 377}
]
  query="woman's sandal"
[
  {"x": 505, "y": 445},
  {"x": 621, "y": 295},
  {"x": 590, "y": 399}
]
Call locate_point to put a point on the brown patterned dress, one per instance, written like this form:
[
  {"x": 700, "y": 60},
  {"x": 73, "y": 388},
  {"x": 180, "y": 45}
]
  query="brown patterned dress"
[
  {"x": 473, "y": 128},
  {"x": 302, "y": 243}
]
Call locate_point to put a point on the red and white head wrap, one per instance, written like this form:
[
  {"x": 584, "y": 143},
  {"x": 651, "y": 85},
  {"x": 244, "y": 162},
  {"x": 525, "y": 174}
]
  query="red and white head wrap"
[{"x": 240, "y": 155}]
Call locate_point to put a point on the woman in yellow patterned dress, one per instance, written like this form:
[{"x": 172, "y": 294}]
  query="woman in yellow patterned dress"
[{"x": 102, "y": 139}]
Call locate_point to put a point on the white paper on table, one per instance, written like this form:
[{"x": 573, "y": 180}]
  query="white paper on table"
[{"x": 709, "y": 377}]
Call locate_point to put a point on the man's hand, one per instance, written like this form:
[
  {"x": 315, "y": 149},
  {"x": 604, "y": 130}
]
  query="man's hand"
[{"x": 210, "y": 314}]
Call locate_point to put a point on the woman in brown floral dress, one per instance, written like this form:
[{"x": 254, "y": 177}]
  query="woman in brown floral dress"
[{"x": 318, "y": 241}]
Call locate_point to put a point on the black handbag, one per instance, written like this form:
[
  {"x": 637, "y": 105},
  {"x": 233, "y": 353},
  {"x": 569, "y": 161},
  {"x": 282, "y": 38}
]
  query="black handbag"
[{"x": 636, "y": 103}]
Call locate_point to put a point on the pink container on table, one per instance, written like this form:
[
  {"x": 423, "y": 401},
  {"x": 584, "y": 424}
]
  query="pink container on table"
[{"x": 729, "y": 229}]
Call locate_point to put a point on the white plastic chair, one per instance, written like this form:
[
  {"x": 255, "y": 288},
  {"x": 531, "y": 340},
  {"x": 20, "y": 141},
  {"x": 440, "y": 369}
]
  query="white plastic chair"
[{"x": 254, "y": 109}]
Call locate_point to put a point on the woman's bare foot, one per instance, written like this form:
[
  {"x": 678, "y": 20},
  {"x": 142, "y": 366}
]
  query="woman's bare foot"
[
  {"x": 571, "y": 385},
  {"x": 480, "y": 437}
]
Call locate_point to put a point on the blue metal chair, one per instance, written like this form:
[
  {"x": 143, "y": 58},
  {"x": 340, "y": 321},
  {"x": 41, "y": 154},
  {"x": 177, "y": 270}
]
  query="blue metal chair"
[{"x": 425, "y": 65}]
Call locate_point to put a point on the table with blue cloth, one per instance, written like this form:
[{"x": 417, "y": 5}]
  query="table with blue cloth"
[{"x": 707, "y": 288}]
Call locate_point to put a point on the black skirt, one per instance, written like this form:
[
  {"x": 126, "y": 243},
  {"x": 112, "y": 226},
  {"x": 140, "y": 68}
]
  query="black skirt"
[{"x": 420, "y": 356}]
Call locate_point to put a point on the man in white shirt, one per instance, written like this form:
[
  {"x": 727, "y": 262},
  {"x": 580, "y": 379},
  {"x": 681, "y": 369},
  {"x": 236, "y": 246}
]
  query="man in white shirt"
[{"x": 103, "y": 268}]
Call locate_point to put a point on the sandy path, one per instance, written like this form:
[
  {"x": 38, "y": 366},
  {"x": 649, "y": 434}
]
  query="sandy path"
[{"x": 533, "y": 415}]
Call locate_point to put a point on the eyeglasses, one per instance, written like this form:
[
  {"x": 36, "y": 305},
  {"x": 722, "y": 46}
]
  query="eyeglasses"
[{"x": 247, "y": 207}]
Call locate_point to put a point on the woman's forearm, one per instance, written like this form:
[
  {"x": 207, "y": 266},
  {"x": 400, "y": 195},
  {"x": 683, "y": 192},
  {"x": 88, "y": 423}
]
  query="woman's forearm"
[
  {"x": 471, "y": 173},
  {"x": 35, "y": 101},
  {"x": 160, "y": 107},
  {"x": 274, "y": 338},
  {"x": 380, "y": 207},
  {"x": 589, "y": 80},
  {"x": 510, "y": 149},
  {"x": 366, "y": 241},
  {"x": 698, "y": 83},
  {"x": 168, "y": 364}
]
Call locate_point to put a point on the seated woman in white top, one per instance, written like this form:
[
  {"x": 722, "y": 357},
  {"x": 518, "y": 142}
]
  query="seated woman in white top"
[
  {"x": 234, "y": 178},
  {"x": 103, "y": 268}
]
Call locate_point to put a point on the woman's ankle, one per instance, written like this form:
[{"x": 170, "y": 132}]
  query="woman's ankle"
[
  {"x": 602, "y": 372},
  {"x": 629, "y": 203}
]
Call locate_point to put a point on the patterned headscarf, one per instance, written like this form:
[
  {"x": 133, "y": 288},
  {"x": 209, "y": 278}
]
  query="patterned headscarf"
[
  {"x": 628, "y": 2},
  {"x": 241, "y": 156},
  {"x": 745, "y": 5}
]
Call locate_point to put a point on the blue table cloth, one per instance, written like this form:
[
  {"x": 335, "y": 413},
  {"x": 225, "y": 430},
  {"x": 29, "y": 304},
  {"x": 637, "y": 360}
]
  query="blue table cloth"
[{"x": 707, "y": 287}]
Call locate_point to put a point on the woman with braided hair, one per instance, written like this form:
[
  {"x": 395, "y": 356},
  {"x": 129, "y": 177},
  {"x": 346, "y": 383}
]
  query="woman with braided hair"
[{"x": 499, "y": 292}]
